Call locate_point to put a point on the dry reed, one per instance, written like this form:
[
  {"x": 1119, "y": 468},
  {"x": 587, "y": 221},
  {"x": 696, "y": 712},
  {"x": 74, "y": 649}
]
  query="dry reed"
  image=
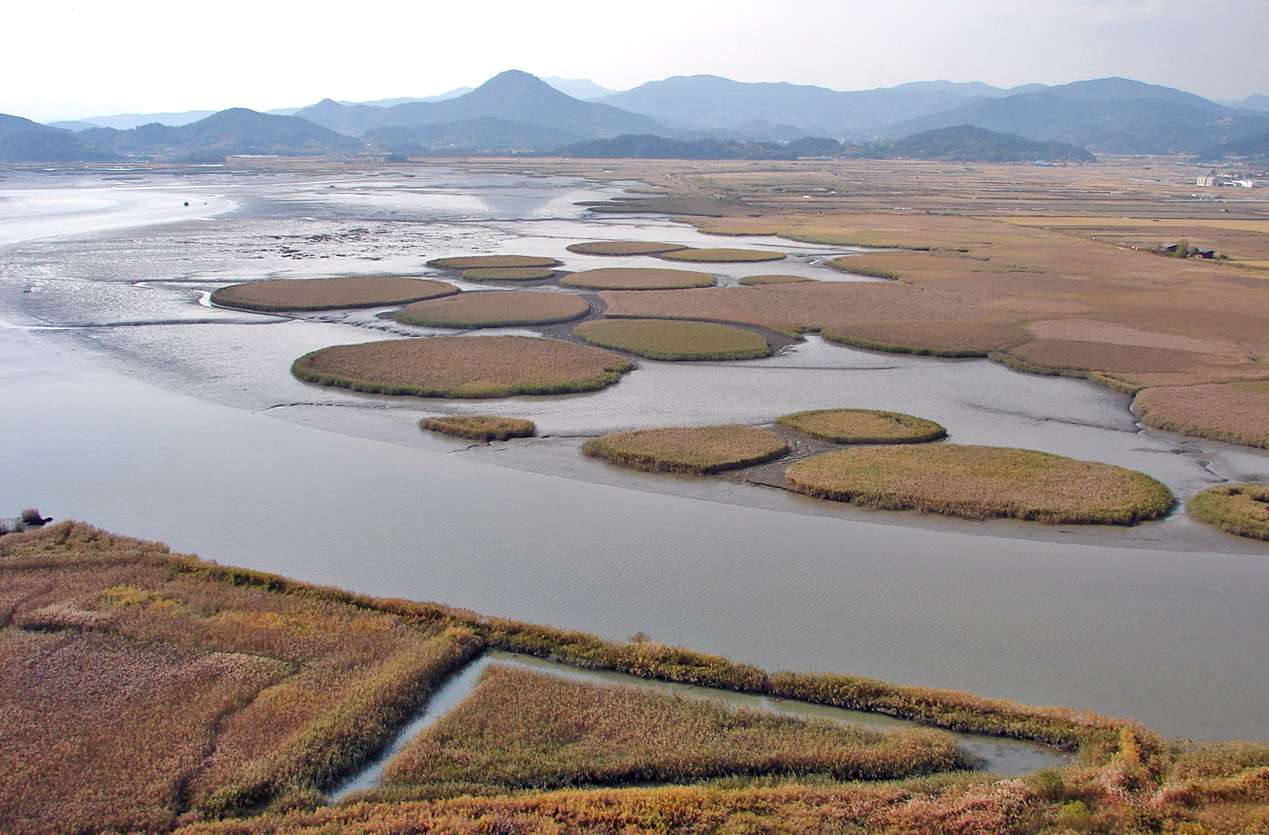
[
  {"x": 666, "y": 339},
  {"x": 637, "y": 278},
  {"x": 721, "y": 256},
  {"x": 507, "y": 274},
  {"x": 696, "y": 450},
  {"x": 622, "y": 248},
  {"x": 1234, "y": 412},
  {"x": 1241, "y": 509},
  {"x": 468, "y": 262},
  {"x": 480, "y": 427},
  {"x": 752, "y": 280},
  {"x": 495, "y": 309},
  {"x": 329, "y": 293},
  {"x": 863, "y": 426}
]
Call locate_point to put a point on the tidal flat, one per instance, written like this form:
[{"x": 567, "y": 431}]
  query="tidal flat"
[{"x": 132, "y": 404}]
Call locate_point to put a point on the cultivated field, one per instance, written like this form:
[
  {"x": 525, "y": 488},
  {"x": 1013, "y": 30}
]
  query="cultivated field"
[
  {"x": 456, "y": 366},
  {"x": 480, "y": 427},
  {"x": 979, "y": 482},
  {"x": 495, "y": 309},
  {"x": 663, "y": 339},
  {"x": 863, "y": 426},
  {"x": 622, "y": 248},
  {"x": 697, "y": 450},
  {"x": 1241, "y": 509},
  {"x": 521, "y": 729},
  {"x": 721, "y": 256},
  {"x": 329, "y": 293},
  {"x": 637, "y": 278}
]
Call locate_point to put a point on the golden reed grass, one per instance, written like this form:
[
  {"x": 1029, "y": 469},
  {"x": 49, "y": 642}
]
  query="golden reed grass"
[
  {"x": 637, "y": 278},
  {"x": 721, "y": 256},
  {"x": 863, "y": 426},
  {"x": 495, "y": 309},
  {"x": 480, "y": 427},
  {"x": 329, "y": 293},
  {"x": 695, "y": 450},
  {"x": 1241, "y": 509},
  {"x": 666, "y": 339},
  {"x": 618, "y": 248},
  {"x": 1234, "y": 412}
]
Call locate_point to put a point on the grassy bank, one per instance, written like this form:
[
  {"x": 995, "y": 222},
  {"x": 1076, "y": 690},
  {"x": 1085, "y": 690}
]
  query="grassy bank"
[
  {"x": 463, "y": 367},
  {"x": 979, "y": 482},
  {"x": 1241, "y": 509},
  {"x": 863, "y": 426},
  {"x": 637, "y": 278},
  {"x": 480, "y": 427},
  {"x": 328, "y": 293},
  {"x": 695, "y": 450},
  {"x": 495, "y": 309},
  {"x": 665, "y": 339}
]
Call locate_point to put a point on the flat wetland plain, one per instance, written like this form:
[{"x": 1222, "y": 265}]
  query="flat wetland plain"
[{"x": 278, "y": 699}]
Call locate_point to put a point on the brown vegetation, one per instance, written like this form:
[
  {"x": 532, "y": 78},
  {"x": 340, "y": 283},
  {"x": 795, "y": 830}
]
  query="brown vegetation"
[
  {"x": 637, "y": 278},
  {"x": 1241, "y": 509},
  {"x": 698, "y": 450},
  {"x": 457, "y": 366},
  {"x": 329, "y": 293},
  {"x": 666, "y": 339},
  {"x": 508, "y": 273},
  {"x": 468, "y": 262},
  {"x": 480, "y": 427},
  {"x": 721, "y": 256},
  {"x": 622, "y": 248},
  {"x": 863, "y": 426},
  {"x": 495, "y": 309},
  {"x": 979, "y": 482},
  {"x": 1234, "y": 412},
  {"x": 751, "y": 280}
]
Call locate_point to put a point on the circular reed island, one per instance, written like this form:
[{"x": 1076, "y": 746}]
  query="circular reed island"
[
  {"x": 463, "y": 367},
  {"x": 329, "y": 293},
  {"x": 694, "y": 450},
  {"x": 622, "y": 248},
  {"x": 508, "y": 274},
  {"x": 863, "y": 426},
  {"x": 480, "y": 427},
  {"x": 752, "y": 280},
  {"x": 495, "y": 309},
  {"x": 671, "y": 339},
  {"x": 1241, "y": 509},
  {"x": 475, "y": 262},
  {"x": 978, "y": 482},
  {"x": 721, "y": 256},
  {"x": 637, "y": 278}
]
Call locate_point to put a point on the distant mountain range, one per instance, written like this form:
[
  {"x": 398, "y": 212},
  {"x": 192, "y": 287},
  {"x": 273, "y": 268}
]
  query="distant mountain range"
[{"x": 518, "y": 112}]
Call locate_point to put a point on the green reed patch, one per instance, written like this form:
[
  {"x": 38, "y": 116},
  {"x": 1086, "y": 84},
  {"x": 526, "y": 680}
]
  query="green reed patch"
[
  {"x": 637, "y": 278},
  {"x": 329, "y": 293},
  {"x": 722, "y": 255},
  {"x": 462, "y": 367},
  {"x": 480, "y": 427},
  {"x": 495, "y": 309},
  {"x": 863, "y": 426},
  {"x": 1241, "y": 509},
  {"x": 668, "y": 339},
  {"x": 979, "y": 482},
  {"x": 696, "y": 450},
  {"x": 521, "y": 729},
  {"x": 623, "y": 248}
]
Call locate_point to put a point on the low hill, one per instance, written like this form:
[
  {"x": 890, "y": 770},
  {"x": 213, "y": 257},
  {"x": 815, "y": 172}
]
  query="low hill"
[
  {"x": 467, "y": 135},
  {"x": 22, "y": 140},
  {"x": 235, "y": 131},
  {"x": 967, "y": 143},
  {"x": 647, "y": 146}
]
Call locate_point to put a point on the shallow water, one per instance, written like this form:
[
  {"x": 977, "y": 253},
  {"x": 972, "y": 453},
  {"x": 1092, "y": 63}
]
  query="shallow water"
[{"x": 127, "y": 403}]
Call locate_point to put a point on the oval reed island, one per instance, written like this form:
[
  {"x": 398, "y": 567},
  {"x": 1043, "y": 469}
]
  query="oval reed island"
[
  {"x": 278, "y": 294},
  {"x": 753, "y": 280},
  {"x": 863, "y": 426},
  {"x": 463, "y": 367},
  {"x": 495, "y": 309},
  {"x": 1241, "y": 509},
  {"x": 480, "y": 427},
  {"x": 637, "y": 278},
  {"x": 469, "y": 262},
  {"x": 977, "y": 482},
  {"x": 721, "y": 256},
  {"x": 622, "y": 248},
  {"x": 694, "y": 450},
  {"x": 668, "y": 339},
  {"x": 508, "y": 273}
]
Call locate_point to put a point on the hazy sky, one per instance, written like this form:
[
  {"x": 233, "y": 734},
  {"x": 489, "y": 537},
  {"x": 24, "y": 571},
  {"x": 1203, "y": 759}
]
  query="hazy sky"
[{"x": 150, "y": 56}]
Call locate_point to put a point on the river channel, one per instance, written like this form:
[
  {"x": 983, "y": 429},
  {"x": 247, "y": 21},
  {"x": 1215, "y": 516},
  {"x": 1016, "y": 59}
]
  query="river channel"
[{"x": 127, "y": 402}]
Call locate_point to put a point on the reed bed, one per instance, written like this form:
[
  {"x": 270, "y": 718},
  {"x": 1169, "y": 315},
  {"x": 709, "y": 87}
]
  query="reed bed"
[
  {"x": 521, "y": 729},
  {"x": 622, "y": 248},
  {"x": 863, "y": 426},
  {"x": 469, "y": 262},
  {"x": 1241, "y": 509},
  {"x": 637, "y": 278},
  {"x": 721, "y": 255},
  {"x": 1233, "y": 412},
  {"x": 508, "y": 274},
  {"x": 666, "y": 339},
  {"x": 329, "y": 293},
  {"x": 775, "y": 278},
  {"x": 979, "y": 482},
  {"x": 463, "y": 367},
  {"x": 480, "y": 427},
  {"x": 495, "y": 309},
  {"x": 694, "y": 450}
]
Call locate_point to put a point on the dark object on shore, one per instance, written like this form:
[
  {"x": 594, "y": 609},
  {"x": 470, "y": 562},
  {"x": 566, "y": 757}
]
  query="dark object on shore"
[{"x": 30, "y": 518}]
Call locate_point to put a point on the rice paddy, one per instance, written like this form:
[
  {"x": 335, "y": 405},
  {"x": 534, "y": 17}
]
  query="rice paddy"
[
  {"x": 469, "y": 262},
  {"x": 495, "y": 309},
  {"x": 480, "y": 427},
  {"x": 666, "y": 339},
  {"x": 1241, "y": 509},
  {"x": 863, "y": 426},
  {"x": 329, "y": 293},
  {"x": 978, "y": 482},
  {"x": 627, "y": 248},
  {"x": 751, "y": 280},
  {"x": 637, "y": 278},
  {"x": 528, "y": 730},
  {"x": 508, "y": 274},
  {"x": 721, "y": 256},
  {"x": 693, "y": 450},
  {"x": 463, "y": 367}
]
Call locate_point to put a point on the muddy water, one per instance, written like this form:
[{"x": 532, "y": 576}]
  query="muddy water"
[
  {"x": 126, "y": 402},
  {"x": 1007, "y": 757}
]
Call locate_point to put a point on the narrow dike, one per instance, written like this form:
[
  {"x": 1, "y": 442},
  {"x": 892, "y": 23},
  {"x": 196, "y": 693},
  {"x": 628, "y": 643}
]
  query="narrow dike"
[{"x": 996, "y": 755}]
